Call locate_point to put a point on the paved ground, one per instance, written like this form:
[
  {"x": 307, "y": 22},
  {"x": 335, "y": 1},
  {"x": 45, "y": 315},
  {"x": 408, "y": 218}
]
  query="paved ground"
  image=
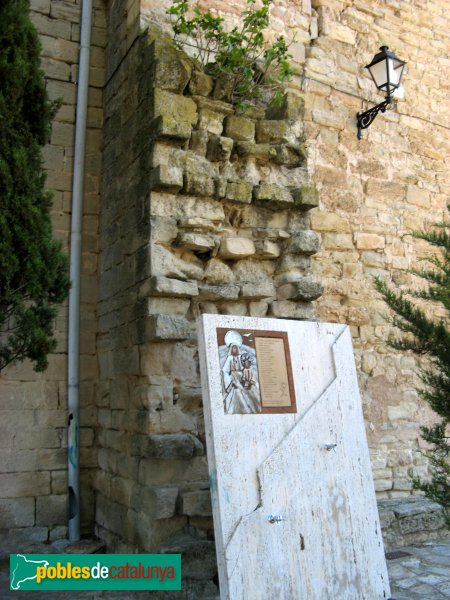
[
  {"x": 423, "y": 574},
  {"x": 419, "y": 573}
]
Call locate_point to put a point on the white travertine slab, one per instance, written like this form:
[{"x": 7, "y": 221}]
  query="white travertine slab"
[{"x": 266, "y": 467}]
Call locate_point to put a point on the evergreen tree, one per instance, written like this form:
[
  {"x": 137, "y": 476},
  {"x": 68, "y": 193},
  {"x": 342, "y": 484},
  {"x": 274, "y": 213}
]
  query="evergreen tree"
[
  {"x": 430, "y": 337},
  {"x": 33, "y": 269}
]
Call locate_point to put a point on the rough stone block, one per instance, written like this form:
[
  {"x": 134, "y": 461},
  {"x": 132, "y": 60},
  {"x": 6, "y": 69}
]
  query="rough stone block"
[
  {"x": 260, "y": 152},
  {"x": 198, "y": 185},
  {"x": 266, "y": 249},
  {"x": 219, "y": 292},
  {"x": 217, "y": 272},
  {"x": 239, "y": 128},
  {"x": 369, "y": 241},
  {"x": 304, "y": 242},
  {"x": 171, "y": 68},
  {"x": 219, "y": 148},
  {"x": 273, "y": 132},
  {"x": 156, "y": 502},
  {"x": 290, "y": 155},
  {"x": 211, "y": 121},
  {"x": 199, "y": 142},
  {"x": 418, "y": 196},
  {"x": 236, "y": 248},
  {"x": 273, "y": 195},
  {"x": 303, "y": 289},
  {"x": 198, "y": 242},
  {"x": 306, "y": 197},
  {"x": 51, "y": 510},
  {"x": 239, "y": 191},
  {"x": 17, "y": 485},
  {"x": 176, "y": 445},
  {"x": 165, "y": 177},
  {"x": 286, "y": 309},
  {"x": 174, "y": 115},
  {"x": 323, "y": 221},
  {"x": 166, "y": 327},
  {"x": 165, "y": 286},
  {"x": 292, "y": 108},
  {"x": 196, "y": 504},
  {"x": 200, "y": 84},
  {"x": 256, "y": 291},
  {"x": 17, "y": 512}
]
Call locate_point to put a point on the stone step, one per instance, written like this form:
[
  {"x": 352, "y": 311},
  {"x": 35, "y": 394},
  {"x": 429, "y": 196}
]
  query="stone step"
[{"x": 413, "y": 520}]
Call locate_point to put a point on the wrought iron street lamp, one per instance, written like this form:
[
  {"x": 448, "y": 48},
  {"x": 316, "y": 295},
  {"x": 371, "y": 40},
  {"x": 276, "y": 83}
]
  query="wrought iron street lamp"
[{"x": 386, "y": 70}]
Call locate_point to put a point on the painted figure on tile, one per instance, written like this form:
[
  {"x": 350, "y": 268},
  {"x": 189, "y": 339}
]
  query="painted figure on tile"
[{"x": 239, "y": 379}]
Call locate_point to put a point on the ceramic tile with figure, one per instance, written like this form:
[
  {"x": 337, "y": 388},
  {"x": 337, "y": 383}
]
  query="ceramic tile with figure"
[{"x": 256, "y": 372}]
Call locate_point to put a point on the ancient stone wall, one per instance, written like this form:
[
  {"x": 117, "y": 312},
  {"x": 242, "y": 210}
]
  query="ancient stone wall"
[
  {"x": 33, "y": 407},
  {"x": 372, "y": 192},
  {"x": 204, "y": 209}
]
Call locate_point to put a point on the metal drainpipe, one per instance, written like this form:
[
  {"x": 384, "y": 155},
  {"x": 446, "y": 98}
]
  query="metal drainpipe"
[{"x": 75, "y": 264}]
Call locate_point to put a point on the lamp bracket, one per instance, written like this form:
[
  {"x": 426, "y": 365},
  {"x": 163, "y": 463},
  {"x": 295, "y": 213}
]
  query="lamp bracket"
[{"x": 364, "y": 119}]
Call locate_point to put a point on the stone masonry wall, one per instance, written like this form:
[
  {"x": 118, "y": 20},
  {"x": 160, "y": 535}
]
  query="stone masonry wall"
[
  {"x": 204, "y": 210},
  {"x": 372, "y": 192},
  {"x": 33, "y": 407}
]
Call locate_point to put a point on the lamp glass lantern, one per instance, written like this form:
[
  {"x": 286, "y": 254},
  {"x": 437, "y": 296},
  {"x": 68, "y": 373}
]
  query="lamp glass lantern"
[{"x": 386, "y": 70}]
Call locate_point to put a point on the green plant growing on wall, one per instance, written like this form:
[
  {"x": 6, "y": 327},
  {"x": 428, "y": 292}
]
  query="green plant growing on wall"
[
  {"x": 33, "y": 269},
  {"x": 252, "y": 67},
  {"x": 429, "y": 337}
]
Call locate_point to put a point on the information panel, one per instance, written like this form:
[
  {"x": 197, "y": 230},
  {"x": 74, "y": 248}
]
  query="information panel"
[{"x": 256, "y": 371}]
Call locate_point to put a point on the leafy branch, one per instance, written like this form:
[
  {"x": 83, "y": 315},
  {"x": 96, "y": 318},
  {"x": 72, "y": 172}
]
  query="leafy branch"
[{"x": 251, "y": 66}]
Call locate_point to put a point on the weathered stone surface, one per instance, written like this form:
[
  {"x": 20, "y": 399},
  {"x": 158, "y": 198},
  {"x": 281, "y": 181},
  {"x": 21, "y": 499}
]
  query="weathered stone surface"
[
  {"x": 156, "y": 502},
  {"x": 211, "y": 121},
  {"x": 292, "y": 108},
  {"x": 17, "y": 512},
  {"x": 223, "y": 88},
  {"x": 286, "y": 309},
  {"x": 256, "y": 291},
  {"x": 165, "y": 177},
  {"x": 199, "y": 556},
  {"x": 217, "y": 272},
  {"x": 290, "y": 155},
  {"x": 166, "y": 327},
  {"x": 196, "y": 503},
  {"x": 217, "y": 106},
  {"x": 164, "y": 263},
  {"x": 172, "y": 445},
  {"x": 260, "y": 152},
  {"x": 219, "y": 292},
  {"x": 174, "y": 114},
  {"x": 200, "y": 84},
  {"x": 219, "y": 148},
  {"x": 239, "y": 128},
  {"x": 198, "y": 185},
  {"x": 51, "y": 510},
  {"x": 236, "y": 248},
  {"x": 304, "y": 242},
  {"x": 171, "y": 68},
  {"x": 266, "y": 249},
  {"x": 273, "y": 132},
  {"x": 302, "y": 289},
  {"x": 306, "y": 197},
  {"x": 199, "y": 142},
  {"x": 196, "y": 241},
  {"x": 273, "y": 195},
  {"x": 165, "y": 286},
  {"x": 239, "y": 191},
  {"x": 413, "y": 519}
]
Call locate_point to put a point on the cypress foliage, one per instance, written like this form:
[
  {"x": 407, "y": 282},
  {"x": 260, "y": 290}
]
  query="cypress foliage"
[
  {"x": 429, "y": 337},
  {"x": 33, "y": 269}
]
